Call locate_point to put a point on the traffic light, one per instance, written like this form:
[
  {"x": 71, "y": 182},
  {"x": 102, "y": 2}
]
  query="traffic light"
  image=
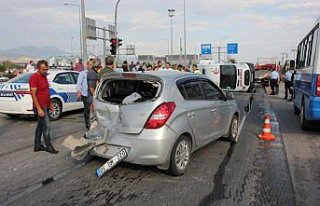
[
  {"x": 113, "y": 45},
  {"x": 119, "y": 42}
]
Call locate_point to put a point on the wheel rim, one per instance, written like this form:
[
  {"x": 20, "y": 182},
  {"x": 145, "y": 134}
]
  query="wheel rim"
[
  {"x": 234, "y": 128},
  {"x": 182, "y": 155},
  {"x": 56, "y": 111}
]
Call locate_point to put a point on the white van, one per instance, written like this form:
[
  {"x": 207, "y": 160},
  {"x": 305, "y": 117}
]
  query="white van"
[{"x": 230, "y": 77}]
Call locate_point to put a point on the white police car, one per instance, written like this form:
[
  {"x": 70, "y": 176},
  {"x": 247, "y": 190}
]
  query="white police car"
[{"x": 15, "y": 97}]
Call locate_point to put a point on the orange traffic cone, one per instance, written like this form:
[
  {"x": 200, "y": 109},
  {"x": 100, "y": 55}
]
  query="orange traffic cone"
[{"x": 266, "y": 133}]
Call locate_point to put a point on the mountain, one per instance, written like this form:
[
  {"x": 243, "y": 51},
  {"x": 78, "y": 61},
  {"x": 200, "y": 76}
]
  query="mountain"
[{"x": 41, "y": 52}]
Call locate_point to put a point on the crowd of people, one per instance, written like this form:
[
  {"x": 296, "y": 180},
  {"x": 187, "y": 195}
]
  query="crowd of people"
[{"x": 158, "y": 66}]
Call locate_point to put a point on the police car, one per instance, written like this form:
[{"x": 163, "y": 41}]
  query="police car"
[{"x": 15, "y": 96}]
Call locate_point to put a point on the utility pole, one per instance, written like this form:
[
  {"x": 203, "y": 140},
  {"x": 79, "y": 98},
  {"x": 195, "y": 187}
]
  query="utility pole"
[
  {"x": 80, "y": 38},
  {"x": 171, "y": 14},
  {"x": 104, "y": 42},
  {"x": 84, "y": 32},
  {"x": 283, "y": 55}
]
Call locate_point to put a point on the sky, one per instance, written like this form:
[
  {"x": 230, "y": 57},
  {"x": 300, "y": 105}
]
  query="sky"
[{"x": 262, "y": 28}]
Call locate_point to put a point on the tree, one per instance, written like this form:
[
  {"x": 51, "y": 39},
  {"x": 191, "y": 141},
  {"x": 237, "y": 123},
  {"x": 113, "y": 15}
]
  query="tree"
[
  {"x": 2, "y": 68},
  {"x": 9, "y": 65}
]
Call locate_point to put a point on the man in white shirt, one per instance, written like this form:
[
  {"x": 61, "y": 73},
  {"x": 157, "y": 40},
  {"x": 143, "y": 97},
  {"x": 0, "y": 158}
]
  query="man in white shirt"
[
  {"x": 274, "y": 78},
  {"x": 168, "y": 67},
  {"x": 287, "y": 82},
  {"x": 30, "y": 67}
]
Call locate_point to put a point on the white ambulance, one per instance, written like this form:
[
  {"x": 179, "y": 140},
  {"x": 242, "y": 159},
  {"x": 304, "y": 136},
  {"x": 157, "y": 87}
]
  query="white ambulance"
[{"x": 230, "y": 77}]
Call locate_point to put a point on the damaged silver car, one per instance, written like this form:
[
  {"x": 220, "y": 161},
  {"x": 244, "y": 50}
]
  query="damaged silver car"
[{"x": 159, "y": 118}]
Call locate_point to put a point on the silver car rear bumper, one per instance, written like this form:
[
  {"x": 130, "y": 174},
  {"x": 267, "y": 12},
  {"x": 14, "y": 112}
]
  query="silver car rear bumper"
[{"x": 150, "y": 147}]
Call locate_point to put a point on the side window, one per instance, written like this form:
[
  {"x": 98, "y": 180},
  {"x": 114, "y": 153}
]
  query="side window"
[
  {"x": 191, "y": 91},
  {"x": 182, "y": 91},
  {"x": 75, "y": 76},
  {"x": 63, "y": 78},
  {"x": 210, "y": 91}
]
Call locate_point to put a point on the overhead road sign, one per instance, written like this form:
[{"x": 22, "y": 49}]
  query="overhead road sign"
[
  {"x": 205, "y": 48},
  {"x": 91, "y": 29},
  {"x": 232, "y": 48}
]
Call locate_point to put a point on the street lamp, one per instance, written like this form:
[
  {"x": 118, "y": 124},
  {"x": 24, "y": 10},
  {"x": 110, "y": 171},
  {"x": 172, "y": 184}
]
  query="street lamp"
[
  {"x": 219, "y": 48},
  {"x": 171, "y": 14},
  {"x": 115, "y": 30},
  {"x": 71, "y": 46},
  {"x": 185, "y": 32},
  {"x": 76, "y": 5}
]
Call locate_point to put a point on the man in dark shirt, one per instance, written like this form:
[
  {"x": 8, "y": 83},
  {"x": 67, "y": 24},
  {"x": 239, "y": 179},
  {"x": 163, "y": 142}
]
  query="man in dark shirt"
[
  {"x": 39, "y": 88},
  {"x": 109, "y": 60}
]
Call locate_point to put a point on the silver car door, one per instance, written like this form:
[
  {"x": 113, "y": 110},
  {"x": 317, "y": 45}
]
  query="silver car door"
[
  {"x": 219, "y": 107},
  {"x": 197, "y": 111}
]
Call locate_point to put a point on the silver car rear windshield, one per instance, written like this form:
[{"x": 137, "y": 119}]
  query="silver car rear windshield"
[{"x": 125, "y": 91}]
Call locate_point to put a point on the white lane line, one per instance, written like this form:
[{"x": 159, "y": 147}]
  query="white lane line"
[{"x": 241, "y": 126}]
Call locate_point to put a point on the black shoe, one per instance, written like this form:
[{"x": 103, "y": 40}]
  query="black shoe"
[
  {"x": 39, "y": 148},
  {"x": 289, "y": 100},
  {"x": 52, "y": 150},
  {"x": 285, "y": 98}
]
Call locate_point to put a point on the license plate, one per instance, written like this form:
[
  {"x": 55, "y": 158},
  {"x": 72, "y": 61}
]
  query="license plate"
[
  {"x": 6, "y": 94},
  {"x": 111, "y": 162}
]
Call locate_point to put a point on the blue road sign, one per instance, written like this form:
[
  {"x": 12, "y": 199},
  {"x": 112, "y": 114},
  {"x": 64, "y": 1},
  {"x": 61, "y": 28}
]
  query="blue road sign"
[
  {"x": 232, "y": 48},
  {"x": 205, "y": 48}
]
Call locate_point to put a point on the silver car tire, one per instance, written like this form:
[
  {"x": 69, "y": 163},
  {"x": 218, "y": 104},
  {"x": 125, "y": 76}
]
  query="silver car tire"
[
  {"x": 180, "y": 156},
  {"x": 57, "y": 110},
  {"x": 233, "y": 129}
]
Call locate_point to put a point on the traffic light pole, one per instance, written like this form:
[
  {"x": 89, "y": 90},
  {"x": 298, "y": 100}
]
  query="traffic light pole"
[
  {"x": 116, "y": 33},
  {"x": 84, "y": 32}
]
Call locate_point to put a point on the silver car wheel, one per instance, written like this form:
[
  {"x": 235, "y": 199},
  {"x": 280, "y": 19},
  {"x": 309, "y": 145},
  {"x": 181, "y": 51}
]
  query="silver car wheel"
[
  {"x": 234, "y": 127},
  {"x": 182, "y": 155}
]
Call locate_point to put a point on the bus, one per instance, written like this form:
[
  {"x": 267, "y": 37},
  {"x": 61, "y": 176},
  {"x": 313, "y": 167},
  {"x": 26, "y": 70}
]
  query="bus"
[
  {"x": 306, "y": 99},
  {"x": 229, "y": 76}
]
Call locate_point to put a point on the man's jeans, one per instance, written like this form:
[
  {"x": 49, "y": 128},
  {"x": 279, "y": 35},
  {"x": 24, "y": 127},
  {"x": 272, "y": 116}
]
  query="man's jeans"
[
  {"x": 43, "y": 128},
  {"x": 87, "y": 101}
]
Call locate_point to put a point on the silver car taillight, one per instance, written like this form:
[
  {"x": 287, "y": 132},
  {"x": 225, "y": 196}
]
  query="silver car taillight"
[{"x": 160, "y": 115}]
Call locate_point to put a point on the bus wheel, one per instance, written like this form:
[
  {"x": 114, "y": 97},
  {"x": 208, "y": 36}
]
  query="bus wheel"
[
  {"x": 296, "y": 109},
  {"x": 305, "y": 124}
]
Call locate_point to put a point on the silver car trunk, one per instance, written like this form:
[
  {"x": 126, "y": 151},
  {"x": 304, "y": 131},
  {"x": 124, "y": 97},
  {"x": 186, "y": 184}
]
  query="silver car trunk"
[{"x": 124, "y": 104}]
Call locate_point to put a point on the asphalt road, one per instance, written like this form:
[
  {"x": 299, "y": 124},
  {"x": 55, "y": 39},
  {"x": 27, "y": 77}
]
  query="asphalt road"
[{"x": 252, "y": 172}]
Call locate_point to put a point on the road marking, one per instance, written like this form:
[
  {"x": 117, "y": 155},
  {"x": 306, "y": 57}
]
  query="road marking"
[
  {"x": 39, "y": 185},
  {"x": 241, "y": 126}
]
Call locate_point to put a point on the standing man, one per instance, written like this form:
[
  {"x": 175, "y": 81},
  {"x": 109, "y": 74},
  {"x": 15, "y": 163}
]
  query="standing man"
[
  {"x": 109, "y": 60},
  {"x": 82, "y": 93},
  {"x": 30, "y": 67},
  {"x": 274, "y": 78},
  {"x": 168, "y": 67},
  {"x": 287, "y": 82},
  {"x": 79, "y": 66},
  {"x": 195, "y": 69},
  {"x": 39, "y": 88}
]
